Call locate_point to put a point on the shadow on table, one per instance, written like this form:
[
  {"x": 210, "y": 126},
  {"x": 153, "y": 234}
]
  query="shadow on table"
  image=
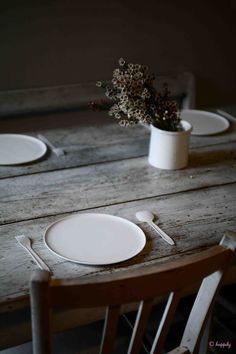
[{"x": 201, "y": 159}]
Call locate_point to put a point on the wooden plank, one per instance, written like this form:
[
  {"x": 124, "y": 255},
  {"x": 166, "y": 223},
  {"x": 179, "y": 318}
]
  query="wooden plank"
[
  {"x": 85, "y": 145},
  {"x": 195, "y": 220},
  {"x": 52, "y": 98},
  {"x": 75, "y": 96},
  {"x": 103, "y": 141},
  {"x": 70, "y": 190}
]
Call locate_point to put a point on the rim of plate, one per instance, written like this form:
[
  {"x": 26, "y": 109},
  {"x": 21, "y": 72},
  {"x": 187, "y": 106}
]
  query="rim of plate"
[{"x": 95, "y": 214}]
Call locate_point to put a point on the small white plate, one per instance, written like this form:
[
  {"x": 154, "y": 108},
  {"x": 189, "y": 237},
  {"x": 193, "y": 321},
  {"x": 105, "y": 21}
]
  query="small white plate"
[
  {"x": 94, "y": 239},
  {"x": 17, "y": 149},
  {"x": 205, "y": 123}
]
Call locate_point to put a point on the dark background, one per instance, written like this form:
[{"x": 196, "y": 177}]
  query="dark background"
[{"x": 48, "y": 43}]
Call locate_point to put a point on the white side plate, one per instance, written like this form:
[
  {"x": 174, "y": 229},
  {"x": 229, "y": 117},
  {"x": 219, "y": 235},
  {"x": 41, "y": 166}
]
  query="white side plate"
[
  {"x": 95, "y": 239},
  {"x": 17, "y": 149},
  {"x": 205, "y": 123}
]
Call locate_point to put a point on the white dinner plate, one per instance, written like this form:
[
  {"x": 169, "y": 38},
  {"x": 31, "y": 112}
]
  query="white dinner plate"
[
  {"x": 205, "y": 123},
  {"x": 94, "y": 239},
  {"x": 16, "y": 149}
]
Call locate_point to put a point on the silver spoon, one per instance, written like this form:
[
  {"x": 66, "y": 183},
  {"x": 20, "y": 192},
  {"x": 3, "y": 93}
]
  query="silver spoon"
[{"x": 148, "y": 217}]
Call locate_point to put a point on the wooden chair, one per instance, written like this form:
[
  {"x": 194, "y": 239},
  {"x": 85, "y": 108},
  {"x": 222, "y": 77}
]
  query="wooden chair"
[
  {"x": 141, "y": 285},
  {"x": 78, "y": 96}
]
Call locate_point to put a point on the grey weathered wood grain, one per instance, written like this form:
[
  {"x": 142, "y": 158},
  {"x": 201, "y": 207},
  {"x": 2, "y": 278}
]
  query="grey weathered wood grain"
[
  {"x": 194, "y": 220},
  {"x": 106, "y": 170},
  {"x": 87, "y": 144},
  {"x": 49, "y": 193}
]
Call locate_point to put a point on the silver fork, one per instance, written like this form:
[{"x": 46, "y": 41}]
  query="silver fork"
[
  {"x": 25, "y": 242},
  {"x": 58, "y": 151}
]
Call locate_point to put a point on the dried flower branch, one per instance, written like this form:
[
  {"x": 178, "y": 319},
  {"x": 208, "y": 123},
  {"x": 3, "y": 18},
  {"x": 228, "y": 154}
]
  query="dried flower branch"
[{"x": 136, "y": 99}]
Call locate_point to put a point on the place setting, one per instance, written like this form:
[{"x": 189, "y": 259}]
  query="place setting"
[
  {"x": 206, "y": 123},
  {"x": 95, "y": 239},
  {"x": 17, "y": 149}
]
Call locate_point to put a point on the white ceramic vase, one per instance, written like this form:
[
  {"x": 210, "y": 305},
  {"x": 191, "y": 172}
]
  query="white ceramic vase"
[{"x": 169, "y": 150}]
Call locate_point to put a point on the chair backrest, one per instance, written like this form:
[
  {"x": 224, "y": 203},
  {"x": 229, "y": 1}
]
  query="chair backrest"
[
  {"x": 142, "y": 285},
  {"x": 181, "y": 86},
  {"x": 78, "y": 96}
]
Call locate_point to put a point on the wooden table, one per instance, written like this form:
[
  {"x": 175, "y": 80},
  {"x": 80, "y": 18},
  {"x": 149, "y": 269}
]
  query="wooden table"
[{"x": 105, "y": 170}]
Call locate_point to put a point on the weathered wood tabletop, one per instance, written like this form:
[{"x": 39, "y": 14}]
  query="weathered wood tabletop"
[{"x": 105, "y": 170}]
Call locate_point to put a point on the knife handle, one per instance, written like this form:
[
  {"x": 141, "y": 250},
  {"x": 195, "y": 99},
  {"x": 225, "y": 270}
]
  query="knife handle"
[{"x": 162, "y": 233}]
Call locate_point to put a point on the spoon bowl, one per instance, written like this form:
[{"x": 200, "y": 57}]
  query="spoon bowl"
[
  {"x": 144, "y": 216},
  {"x": 148, "y": 217}
]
